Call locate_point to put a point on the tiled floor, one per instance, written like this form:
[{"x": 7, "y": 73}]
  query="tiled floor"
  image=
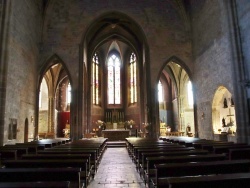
[{"x": 116, "y": 170}]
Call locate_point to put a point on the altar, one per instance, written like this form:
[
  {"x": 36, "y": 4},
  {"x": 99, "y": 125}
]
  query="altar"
[{"x": 115, "y": 134}]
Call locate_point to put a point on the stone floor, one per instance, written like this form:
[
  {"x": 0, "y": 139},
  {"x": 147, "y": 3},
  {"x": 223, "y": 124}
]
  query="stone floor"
[{"x": 116, "y": 170}]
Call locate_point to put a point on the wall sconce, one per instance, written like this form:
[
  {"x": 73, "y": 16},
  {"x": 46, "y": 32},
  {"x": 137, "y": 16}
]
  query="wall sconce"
[{"x": 32, "y": 119}]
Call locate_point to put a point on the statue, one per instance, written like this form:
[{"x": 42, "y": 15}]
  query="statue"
[
  {"x": 225, "y": 103},
  {"x": 232, "y": 102},
  {"x": 223, "y": 122}
]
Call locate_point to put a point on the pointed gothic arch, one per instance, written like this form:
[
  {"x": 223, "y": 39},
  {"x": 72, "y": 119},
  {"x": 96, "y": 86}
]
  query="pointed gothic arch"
[
  {"x": 174, "y": 111},
  {"x": 223, "y": 112},
  {"x": 54, "y": 71},
  {"x": 129, "y": 37}
]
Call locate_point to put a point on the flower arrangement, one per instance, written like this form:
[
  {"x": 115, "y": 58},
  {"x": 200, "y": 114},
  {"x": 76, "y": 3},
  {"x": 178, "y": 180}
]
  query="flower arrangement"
[
  {"x": 131, "y": 122},
  {"x": 99, "y": 122}
]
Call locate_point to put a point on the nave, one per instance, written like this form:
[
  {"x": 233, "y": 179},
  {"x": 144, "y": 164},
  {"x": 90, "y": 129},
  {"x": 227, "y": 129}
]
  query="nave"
[
  {"x": 116, "y": 170},
  {"x": 98, "y": 163}
]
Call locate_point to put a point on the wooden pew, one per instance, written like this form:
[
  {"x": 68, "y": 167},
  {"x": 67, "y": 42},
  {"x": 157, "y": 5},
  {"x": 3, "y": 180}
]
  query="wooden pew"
[
  {"x": 132, "y": 142},
  {"x": 134, "y": 147},
  {"x": 72, "y": 148},
  {"x": 143, "y": 163},
  {"x": 216, "y": 181},
  {"x": 201, "y": 144},
  {"x": 8, "y": 154},
  {"x": 163, "y": 171},
  {"x": 61, "y": 184},
  {"x": 93, "y": 161},
  {"x": 137, "y": 150},
  {"x": 51, "y": 163},
  {"x": 140, "y": 151},
  {"x": 187, "y": 141},
  {"x": 30, "y": 148},
  {"x": 239, "y": 153},
  {"x": 48, "y": 175},
  {"x": 59, "y": 156},
  {"x": 149, "y": 171},
  {"x": 20, "y": 150},
  {"x": 210, "y": 146},
  {"x": 225, "y": 149}
]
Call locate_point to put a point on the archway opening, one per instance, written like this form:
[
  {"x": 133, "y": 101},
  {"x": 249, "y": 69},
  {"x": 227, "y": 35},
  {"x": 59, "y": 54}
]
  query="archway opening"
[
  {"x": 175, "y": 97},
  {"x": 223, "y": 112},
  {"x": 54, "y": 103},
  {"x": 115, "y": 51}
]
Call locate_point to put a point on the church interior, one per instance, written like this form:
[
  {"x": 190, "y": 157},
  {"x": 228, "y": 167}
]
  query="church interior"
[{"x": 124, "y": 70}]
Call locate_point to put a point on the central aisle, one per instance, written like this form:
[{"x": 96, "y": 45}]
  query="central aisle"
[{"x": 116, "y": 170}]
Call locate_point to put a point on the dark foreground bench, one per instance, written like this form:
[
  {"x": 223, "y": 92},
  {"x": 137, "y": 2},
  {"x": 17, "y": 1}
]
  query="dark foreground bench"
[
  {"x": 60, "y": 156},
  {"x": 149, "y": 171},
  {"x": 94, "y": 157},
  {"x": 163, "y": 171},
  {"x": 52, "y": 163},
  {"x": 240, "y": 153},
  {"x": 61, "y": 184},
  {"x": 142, "y": 160},
  {"x": 241, "y": 180},
  {"x": 48, "y": 175}
]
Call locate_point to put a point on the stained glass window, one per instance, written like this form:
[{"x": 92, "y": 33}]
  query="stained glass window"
[
  {"x": 69, "y": 94},
  {"x": 132, "y": 75},
  {"x": 114, "y": 80},
  {"x": 190, "y": 94},
  {"x": 160, "y": 92},
  {"x": 96, "y": 80}
]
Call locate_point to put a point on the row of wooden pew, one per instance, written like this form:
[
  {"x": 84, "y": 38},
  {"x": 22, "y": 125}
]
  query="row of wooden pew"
[
  {"x": 50, "y": 161},
  {"x": 189, "y": 162}
]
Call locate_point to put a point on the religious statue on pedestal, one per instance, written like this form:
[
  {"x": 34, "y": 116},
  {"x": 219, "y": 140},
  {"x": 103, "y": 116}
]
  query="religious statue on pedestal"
[{"x": 223, "y": 122}]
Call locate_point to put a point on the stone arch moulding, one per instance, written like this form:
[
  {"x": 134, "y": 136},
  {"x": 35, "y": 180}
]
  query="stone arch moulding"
[
  {"x": 185, "y": 116},
  {"x": 117, "y": 26},
  {"x": 54, "y": 59}
]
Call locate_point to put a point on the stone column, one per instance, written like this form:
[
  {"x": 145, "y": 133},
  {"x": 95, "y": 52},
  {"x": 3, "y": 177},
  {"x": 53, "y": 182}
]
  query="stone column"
[{"x": 51, "y": 115}]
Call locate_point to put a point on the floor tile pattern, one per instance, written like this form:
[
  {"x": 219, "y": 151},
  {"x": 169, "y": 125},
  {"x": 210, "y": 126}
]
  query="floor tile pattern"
[{"x": 116, "y": 170}]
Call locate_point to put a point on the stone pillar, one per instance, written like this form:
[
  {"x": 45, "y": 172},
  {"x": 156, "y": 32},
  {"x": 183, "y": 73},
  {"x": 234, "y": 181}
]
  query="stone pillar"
[
  {"x": 4, "y": 26},
  {"x": 51, "y": 115}
]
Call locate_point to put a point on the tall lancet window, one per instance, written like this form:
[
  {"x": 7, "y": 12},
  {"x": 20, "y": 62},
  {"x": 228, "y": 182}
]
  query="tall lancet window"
[
  {"x": 160, "y": 92},
  {"x": 114, "y": 80},
  {"x": 190, "y": 94},
  {"x": 132, "y": 77},
  {"x": 96, "y": 80},
  {"x": 69, "y": 94}
]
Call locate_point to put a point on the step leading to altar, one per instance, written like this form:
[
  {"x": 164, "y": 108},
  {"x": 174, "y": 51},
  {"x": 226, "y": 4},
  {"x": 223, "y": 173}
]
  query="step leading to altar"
[{"x": 116, "y": 144}]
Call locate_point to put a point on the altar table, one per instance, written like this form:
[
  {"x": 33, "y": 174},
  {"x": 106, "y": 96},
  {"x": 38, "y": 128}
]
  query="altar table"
[{"x": 115, "y": 134}]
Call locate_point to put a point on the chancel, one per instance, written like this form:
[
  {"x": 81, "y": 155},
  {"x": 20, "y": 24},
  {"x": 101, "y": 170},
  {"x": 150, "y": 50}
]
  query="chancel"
[{"x": 112, "y": 77}]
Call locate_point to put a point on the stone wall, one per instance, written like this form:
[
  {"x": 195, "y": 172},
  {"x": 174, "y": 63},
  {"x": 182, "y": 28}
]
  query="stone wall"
[
  {"x": 162, "y": 23},
  {"x": 205, "y": 49},
  {"x": 243, "y": 15},
  {"x": 243, "y": 10},
  {"x": 43, "y": 121},
  {"x": 212, "y": 58},
  {"x": 2, "y": 70},
  {"x": 22, "y": 56}
]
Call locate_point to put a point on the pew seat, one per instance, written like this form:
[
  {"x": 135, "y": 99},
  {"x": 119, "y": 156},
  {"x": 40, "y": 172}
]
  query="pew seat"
[
  {"x": 234, "y": 180},
  {"x": 48, "y": 175},
  {"x": 199, "y": 168},
  {"x": 52, "y": 163},
  {"x": 40, "y": 184}
]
